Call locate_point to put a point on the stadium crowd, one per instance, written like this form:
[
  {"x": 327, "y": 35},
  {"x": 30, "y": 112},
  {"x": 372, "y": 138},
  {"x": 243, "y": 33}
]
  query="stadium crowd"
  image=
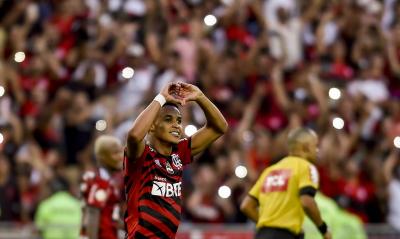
[{"x": 71, "y": 70}]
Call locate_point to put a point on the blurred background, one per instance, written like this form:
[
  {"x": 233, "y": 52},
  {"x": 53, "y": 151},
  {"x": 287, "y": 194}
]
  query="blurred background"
[{"x": 71, "y": 70}]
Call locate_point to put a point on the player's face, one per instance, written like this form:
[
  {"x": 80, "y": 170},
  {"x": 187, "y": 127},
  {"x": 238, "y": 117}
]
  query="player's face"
[
  {"x": 168, "y": 126},
  {"x": 113, "y": 156}
]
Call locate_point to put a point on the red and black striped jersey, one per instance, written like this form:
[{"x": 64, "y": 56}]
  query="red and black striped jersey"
[
  {"x": 103, "y": 191},
  {"x": 153, "y": 192}
]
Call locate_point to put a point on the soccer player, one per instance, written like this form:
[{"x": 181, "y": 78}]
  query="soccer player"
[
  {"x": 153, "y": 168},
  {"x": 286, "y": 190},
  {"x": 101, "y": 191}
]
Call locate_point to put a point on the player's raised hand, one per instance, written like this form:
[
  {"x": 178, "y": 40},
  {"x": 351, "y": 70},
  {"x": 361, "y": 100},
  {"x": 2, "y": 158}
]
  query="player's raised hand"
[
  {"x": 170, "y": 91},
  {"x": 188, "y": 92}
]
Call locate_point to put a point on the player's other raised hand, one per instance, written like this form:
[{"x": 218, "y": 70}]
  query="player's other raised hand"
[
  {"x": 188, "y": 92},
  {"x": 170, "y": 92}
]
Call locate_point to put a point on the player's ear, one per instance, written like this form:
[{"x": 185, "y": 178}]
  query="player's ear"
[{"x": 305, "y": 148}]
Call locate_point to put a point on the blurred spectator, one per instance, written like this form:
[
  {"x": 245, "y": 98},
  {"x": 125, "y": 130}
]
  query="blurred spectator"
[
  {"x": 392, "y": 172},
  {"x": 10, "y": 204},
  {"x": 203, "y": 205}
]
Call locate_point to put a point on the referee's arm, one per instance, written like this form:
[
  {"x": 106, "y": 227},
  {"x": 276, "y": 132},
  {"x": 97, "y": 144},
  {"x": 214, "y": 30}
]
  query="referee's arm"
[
  {"x": 311, "y": 209},
  {"x": 249, "y": 207},
  {"x": 309, "y": 181}
]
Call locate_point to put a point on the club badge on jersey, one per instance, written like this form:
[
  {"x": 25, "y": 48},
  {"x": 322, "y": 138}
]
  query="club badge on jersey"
[{"x": 176, "y": 161}]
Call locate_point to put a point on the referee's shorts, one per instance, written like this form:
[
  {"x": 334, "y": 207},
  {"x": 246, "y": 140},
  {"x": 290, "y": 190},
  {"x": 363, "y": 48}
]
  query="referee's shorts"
[{"x": 276, "y": 233}]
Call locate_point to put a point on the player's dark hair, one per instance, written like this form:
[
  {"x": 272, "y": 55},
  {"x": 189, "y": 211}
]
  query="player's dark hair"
[{"x": 172, "y": 104}]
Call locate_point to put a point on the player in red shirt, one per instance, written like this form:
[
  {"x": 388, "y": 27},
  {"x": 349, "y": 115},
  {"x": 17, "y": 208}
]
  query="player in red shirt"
[
  {"x": 101, "y": 191},
  {"x": 153, "y": 168}
]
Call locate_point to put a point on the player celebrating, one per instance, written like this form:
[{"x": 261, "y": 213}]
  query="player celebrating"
[
  {"x": 285, "y": 190},
  {"x": 101, "y": 191},
  {"x": 153, "y": 169}
]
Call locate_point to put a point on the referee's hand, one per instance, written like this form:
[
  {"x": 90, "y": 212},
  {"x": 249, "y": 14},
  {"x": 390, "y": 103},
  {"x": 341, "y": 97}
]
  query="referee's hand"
[{"x": 328, "y": 235}]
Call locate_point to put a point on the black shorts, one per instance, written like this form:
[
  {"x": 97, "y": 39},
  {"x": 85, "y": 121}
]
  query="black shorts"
[{"x": 276, "y": 233}]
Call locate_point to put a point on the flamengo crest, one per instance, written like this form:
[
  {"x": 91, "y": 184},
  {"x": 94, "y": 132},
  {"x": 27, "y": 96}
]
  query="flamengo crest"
[{"x": 176, "y": 161}]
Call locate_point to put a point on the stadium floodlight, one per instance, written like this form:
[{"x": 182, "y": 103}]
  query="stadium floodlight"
[
  {"x": 2, "y": 91},
  {"x": 19, "y": 57},
  {"x": 224, "y": 191},
  {"x": 241, "y": 171},
  {"x": 396, "y": 142},
  {"x": 210, "y": 20},
  {"x": 128, "y": 72},
  {"x": 334, "y": 93},
  {"x": 101, "y": 125},
  {"x": 190, "y": 130},
  {"x": 1, "y": 138},
  {"x": 338, "y": 123}
]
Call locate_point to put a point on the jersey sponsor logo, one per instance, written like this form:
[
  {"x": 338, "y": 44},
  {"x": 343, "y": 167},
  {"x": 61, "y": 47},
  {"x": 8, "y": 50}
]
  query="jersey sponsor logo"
[
  {"x": 97, "y": 195},
  {"x": 277, "y": 181},
  {"x": 176, "y": 161},
  {"x": 314, "y": 174},
  {"x": 164, "y": 189}
]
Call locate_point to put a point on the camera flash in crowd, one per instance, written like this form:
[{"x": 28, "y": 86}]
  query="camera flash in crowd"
[
  {"x": 227, "y": 2},
  {"x": 128, "y": 72},
  {"x": 248, "y": 136},
  {"x": 1, "y": 138},
  {"x": 334, "y": 93},
  {"x": 338, "y": 123},
  {"x": 2, "y": 91},
  {"x": 101, "y": 125},
  {"x": 224, "y": 191},
  {"x": 190, "y": 130},
  {"x": 241, "y": 171},
  {"x": 210, "y": 20},
  {"x": 19, "y": 57},
  {"x": 396, "y": 142}
]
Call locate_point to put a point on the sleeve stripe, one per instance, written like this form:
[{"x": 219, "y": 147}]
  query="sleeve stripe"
[{"x": 308, "y": 190}]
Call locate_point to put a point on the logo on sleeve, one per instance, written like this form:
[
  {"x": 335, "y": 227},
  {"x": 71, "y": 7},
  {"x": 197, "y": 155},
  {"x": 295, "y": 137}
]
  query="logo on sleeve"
[{"x": 314, "y": 174}]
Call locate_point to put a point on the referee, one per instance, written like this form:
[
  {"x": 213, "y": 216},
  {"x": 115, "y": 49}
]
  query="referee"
[{"x": 286, "y": 190}]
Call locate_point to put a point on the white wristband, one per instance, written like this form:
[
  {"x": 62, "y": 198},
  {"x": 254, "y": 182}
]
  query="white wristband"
[{"x": 160, "y": 99}]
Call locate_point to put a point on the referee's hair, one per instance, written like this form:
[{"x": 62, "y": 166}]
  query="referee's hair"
[{"x": 299, "y": 136}]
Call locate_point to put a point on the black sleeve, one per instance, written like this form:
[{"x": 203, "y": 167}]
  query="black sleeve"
[{"x": 308, "y": 190}]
